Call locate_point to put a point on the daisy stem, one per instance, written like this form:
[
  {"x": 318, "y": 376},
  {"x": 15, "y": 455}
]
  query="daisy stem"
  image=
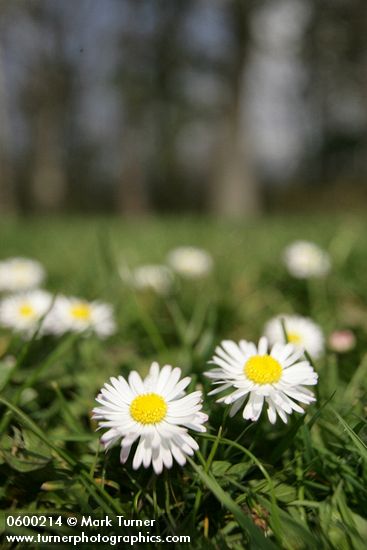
[
  {"x": 285, "y": 334},
  {"x": 198, "y": 497},
  {"x": 136, "y": 501},
  {"x": 154, "y": 492},
  {"x": 103, "y": 473},
  {"x": 301, "y": 488},
  {"x": 213, "y": 449},
  {"x": 140, "y": 491},
  {"x": 199, "y": 492},
  {"x": 198, "y": 318},
  {"x": 207, "y": 465},
  {"x": 94, "y": 463},
  {"x": 150, "y": 328},
  {"x": 167, "y": 501},
  {"x": 178, "y": 319},
  {"x": 318, "y": 302},
  {"x": 182, "y": 328},
  {"x": 238, "y": 438}
]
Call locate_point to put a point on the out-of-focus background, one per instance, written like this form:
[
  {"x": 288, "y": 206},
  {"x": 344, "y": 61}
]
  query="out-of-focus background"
[{"x": 227, "y": 107}]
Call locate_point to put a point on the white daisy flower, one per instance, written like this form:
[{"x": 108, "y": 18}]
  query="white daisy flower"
[
  {"x": 23, "y": 312},
  {"x": 156, "y": 412},
  {"x": 158, "y": 278},
  {"x": 302, "y": 332},
  {"x": 304, "y": 259},
  {"x": 20, "y": 274},
  {"x": 277, "y": 378},
  {"x": 70, "y": 314},
  {"x": 190, "y": 262}
]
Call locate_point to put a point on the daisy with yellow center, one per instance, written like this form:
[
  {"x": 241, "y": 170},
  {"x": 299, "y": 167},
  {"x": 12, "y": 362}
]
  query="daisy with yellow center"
[
  {"x": 302, "y": 332},
  {"x": 258, "y": 376},
  {"x": 26, "y": 310},
  {"x": 155, "y": 413},
  {"x": 81, "y": 311},
  {"x": 71, "y": 314},
  {"x": 23, "y": 312}
]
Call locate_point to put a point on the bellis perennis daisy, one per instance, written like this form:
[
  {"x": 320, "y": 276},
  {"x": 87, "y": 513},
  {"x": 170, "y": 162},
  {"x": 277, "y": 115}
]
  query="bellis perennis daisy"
[
  {"x": 71, "y": 314},
  {"x": 258, "y": 376},
  {"x": 20, "y": 274},
  {"x": 156, "y": 412},
  {"x": 23, "y": 312},
  {"x": 190, "y": 262},
  {"x": 156, "y": 277},
  {"x": 305, "y": 259},
  {"x": 302, "y": 332}
]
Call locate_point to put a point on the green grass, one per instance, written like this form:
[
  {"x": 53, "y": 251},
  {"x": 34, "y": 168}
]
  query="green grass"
[{"x": 252, "y": 485}]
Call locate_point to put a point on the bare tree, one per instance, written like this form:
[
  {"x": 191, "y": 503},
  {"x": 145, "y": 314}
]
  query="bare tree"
[
  {"x": 234, "y": 189},
  {"x": 44, "y": 100},
  {"x": 7, "y": 189}
]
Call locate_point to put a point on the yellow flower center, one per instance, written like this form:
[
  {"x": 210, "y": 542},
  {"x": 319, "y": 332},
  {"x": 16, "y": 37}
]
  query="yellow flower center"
[
  {"x": 294, "y": 338},
  {"x": 263, "y": 369},
  {"x": 149, "y": 408},
  {"x": 26, "y": 310},
  {"x": 81, "y": 312}
]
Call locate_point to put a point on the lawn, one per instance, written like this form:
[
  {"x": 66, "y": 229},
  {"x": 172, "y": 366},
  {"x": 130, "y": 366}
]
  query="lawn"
[{"x": 252, "y": 485}]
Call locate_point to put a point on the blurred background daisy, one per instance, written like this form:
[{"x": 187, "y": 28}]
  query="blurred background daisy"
[
  {"x": 72, "y": 314},
  {"x": 23, "y": 312},
  {"x": 305, "y": 260},
  {"x": 190, "y": 262},
  {"x": 156, "y": 277},
  {"x": 302, "y": 332},
  {"x": 19, "y": 274}
]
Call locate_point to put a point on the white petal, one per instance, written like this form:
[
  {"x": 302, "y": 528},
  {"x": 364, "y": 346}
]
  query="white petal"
[
  {"x": 179, "y": 388},
  {"x": 124, "y": 454},
  {"x": 139, "y": 454},
  {"x": 253, "y": 408},
  {"x": 263, "y": 346},
  {"x": 171, "y": 382},
  {"x": 177, "y": 454},
  {"x": 236, "y": 406},
  {"x": 157, "y": 461},
  {"x": 136, "y": 383}
]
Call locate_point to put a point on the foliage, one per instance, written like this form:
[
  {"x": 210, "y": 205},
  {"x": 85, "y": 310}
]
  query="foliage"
[{"x": 252, "y": 485}]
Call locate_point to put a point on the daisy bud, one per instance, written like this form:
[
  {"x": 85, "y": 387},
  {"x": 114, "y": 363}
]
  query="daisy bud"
[{"x": 342, "y": 341}]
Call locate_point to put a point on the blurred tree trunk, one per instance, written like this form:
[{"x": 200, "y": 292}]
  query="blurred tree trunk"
[
  {"x": 131, "y": 190},
  {"x": 48, "y": 179},
  {"x": 234, "y": 191},
  {"x": 46, "y": 100},
  {"x": 7, "y": 188},
  {"x": 146, "y": 80}
]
